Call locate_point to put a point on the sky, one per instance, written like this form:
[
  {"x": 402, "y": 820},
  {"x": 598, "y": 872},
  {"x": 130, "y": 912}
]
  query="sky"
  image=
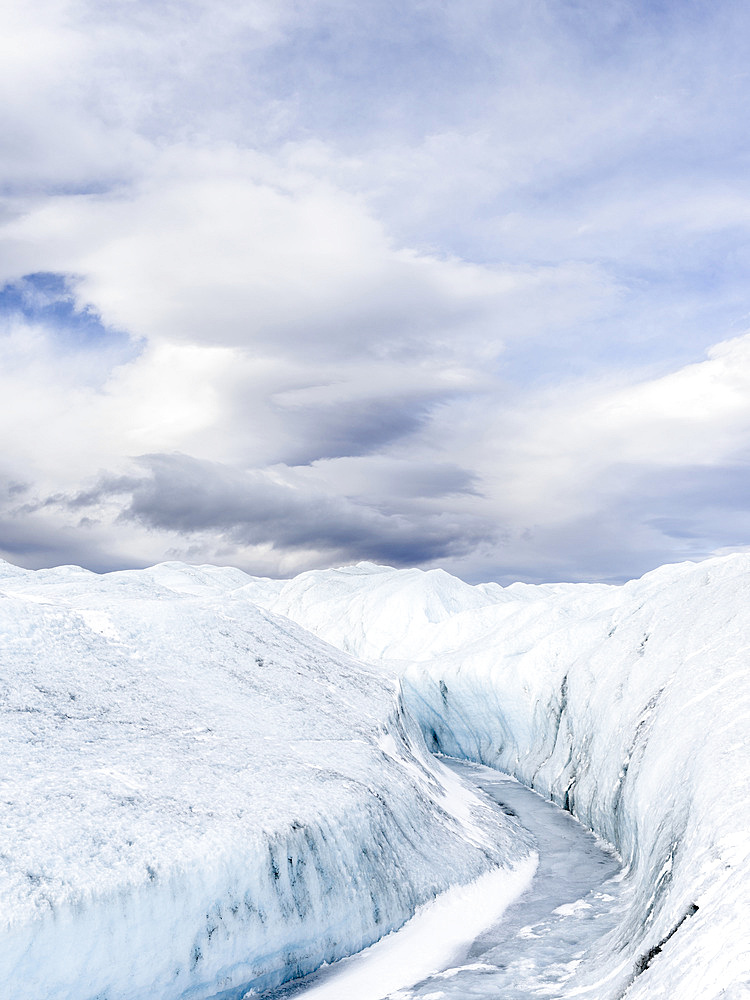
[{"x": 289, "y": 284}]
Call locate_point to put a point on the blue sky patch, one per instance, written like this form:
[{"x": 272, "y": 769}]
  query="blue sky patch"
[{"x": 49, "y": 299}]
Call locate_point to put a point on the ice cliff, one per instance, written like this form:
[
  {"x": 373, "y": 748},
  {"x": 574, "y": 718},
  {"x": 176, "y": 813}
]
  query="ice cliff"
[
  {"x": 629, "y": 706},
  {"x": 198, "y": 797}
]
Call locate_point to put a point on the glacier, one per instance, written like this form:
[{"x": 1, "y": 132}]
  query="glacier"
[
  {"x": 203, "y": 797},
  {"x": 459, "y": 945},
  {"x": 200, "y": 799},
  {"x": 626, "y": 705}
]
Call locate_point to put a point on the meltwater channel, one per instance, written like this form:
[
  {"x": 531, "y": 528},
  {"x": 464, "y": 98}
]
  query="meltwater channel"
[{"x": 533, "y": 949}]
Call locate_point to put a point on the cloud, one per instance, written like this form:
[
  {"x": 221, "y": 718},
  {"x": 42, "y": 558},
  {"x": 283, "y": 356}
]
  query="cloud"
[
  {"x": 374, "y": 281},
  {"x": 589, "y": 483},
  {"x": 226, "y": 247},
  {"x": 655, "y": 469},
  {"x": 47, "y": 300},
  {"x": 188, "y": 497}
]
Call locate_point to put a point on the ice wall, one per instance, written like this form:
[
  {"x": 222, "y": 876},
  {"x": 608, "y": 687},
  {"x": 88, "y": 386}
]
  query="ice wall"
[
  {"x": 198, "y": 797},
  {"x": 630, "y": 706}
]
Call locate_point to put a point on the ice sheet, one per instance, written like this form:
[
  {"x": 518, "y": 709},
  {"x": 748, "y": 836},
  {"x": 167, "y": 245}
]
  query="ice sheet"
[
  {"x": 199, "y": 797},
  {"x": 629, "y": 706}
]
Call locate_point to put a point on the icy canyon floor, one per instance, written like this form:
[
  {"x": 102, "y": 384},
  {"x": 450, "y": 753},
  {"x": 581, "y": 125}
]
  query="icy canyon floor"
[
  {"x": 532, "y": 948},
  {"x": 202, "y": 797}
]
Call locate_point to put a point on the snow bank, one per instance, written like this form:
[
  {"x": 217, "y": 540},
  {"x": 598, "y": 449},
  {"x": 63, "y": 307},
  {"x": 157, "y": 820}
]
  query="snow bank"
[
  {"x": 627, "y": 705},
  {"x": 198, "y": 797}
]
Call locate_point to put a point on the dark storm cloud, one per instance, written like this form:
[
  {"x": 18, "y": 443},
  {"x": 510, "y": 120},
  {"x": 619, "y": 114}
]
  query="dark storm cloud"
[
  {"x": 422, "y": 479},
  {"x": 358, "y": 427},
  {"x": 185, "y": 495}
]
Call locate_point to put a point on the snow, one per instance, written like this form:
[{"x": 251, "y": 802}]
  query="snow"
[
  {"x": 627, "y": 705},
  {"x": 199, "y": 798},
  {"x": 441, "y": 930},
  {"x": 477, "y": 942},
  {"x": 370, "y": 610},
  {"x": 572, "y": 901}
]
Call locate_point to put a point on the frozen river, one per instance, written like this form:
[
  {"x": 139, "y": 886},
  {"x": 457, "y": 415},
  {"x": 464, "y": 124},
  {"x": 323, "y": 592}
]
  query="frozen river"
[{"x": 529, "y": 946}]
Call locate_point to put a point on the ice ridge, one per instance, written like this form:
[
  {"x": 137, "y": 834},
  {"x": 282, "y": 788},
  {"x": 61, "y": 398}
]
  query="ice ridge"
[
  {"x": 198, "y": 797},
  {"x": 628, "y": 706}
]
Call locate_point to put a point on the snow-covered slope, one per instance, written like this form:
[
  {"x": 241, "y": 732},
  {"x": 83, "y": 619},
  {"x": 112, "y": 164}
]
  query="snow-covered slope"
[
  {"x": 628, "y": 705},
  {"x": 198, "y": 796},
  {"x": 368, "y": 610}
]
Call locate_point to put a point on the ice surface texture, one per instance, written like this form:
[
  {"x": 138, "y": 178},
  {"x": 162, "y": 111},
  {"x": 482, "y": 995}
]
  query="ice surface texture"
[
  {"x": 198, "y": 796},
  {"x": 630, "y": 706}
]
